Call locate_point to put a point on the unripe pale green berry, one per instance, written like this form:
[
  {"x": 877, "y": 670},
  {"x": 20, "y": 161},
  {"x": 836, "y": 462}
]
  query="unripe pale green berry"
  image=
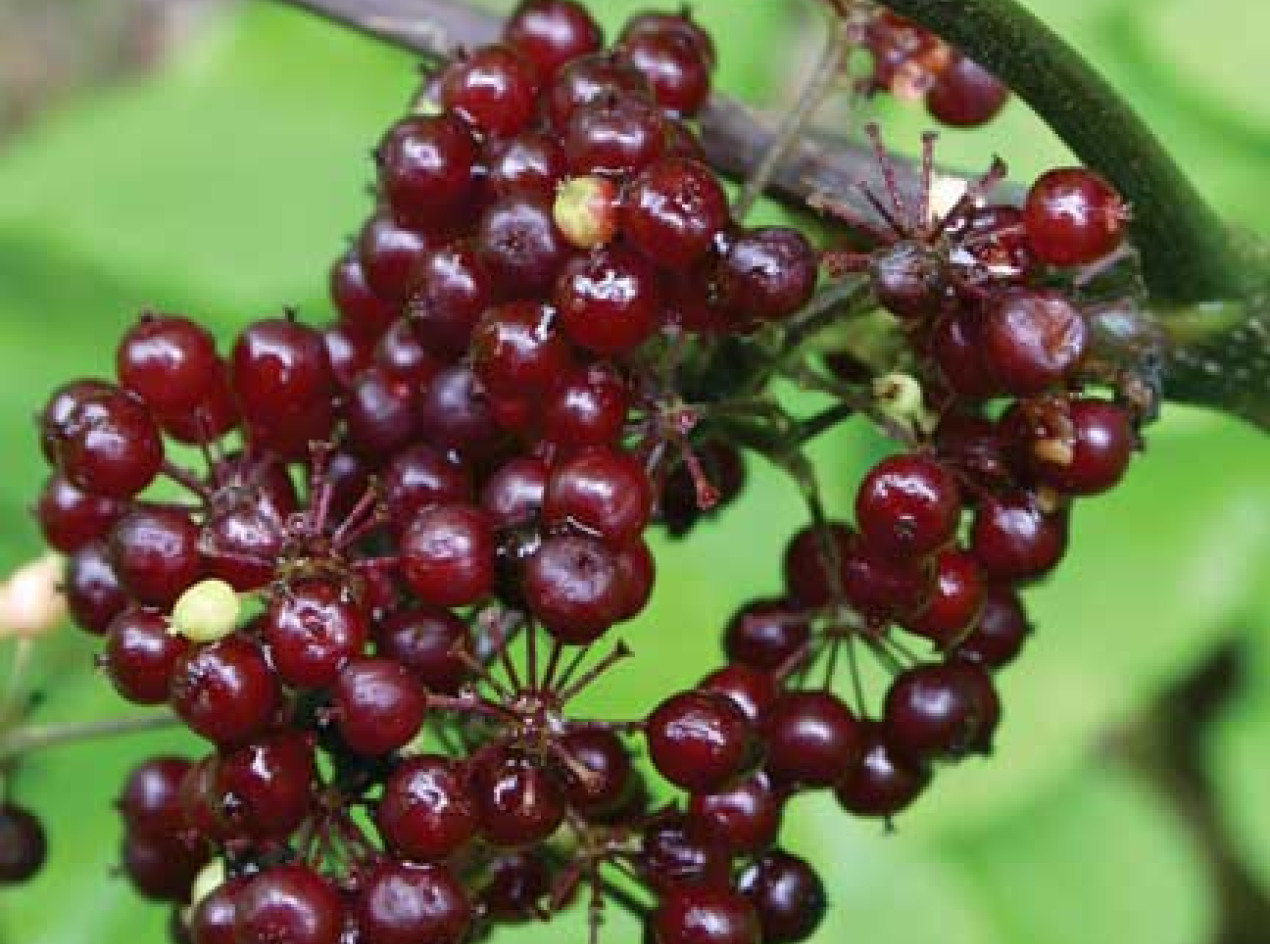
[
  {"x": 586, "y": 212},
  {"x": 206, "y": 612}
]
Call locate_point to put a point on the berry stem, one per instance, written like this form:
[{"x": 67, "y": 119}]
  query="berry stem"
[{"x": 28, "y": 738}]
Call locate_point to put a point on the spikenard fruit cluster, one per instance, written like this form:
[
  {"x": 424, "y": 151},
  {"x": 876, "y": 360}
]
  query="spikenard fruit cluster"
[{"x": 438, "y": 504}]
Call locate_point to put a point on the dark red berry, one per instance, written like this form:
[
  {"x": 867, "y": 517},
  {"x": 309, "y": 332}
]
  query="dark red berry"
[
  {"x": 812, "y": 739},
  {"x": 1033, "y": 340},
  {"x": 532, "y": 162},
  {"x": 517, "y": 349},
  {"x": 682, "y": 25},
  {"x": 494, "y": 89},
  {"x": 427, "y": 640},
  {"x": 427, "y": 169},
  {"x": 156, "y": 554},
  {"x": 378, "y": 706},
  {"x": 150, "y": 802},
  {"x": 452, "y": 291},
  {"x": 673, "y": 211},
  {"x": 54, "y": 420},
  {"x": 614, "y": 137},
  {"x": 361, "y": 311},
  {"x": 168, "y": 361},
  {"x": 447, "y": 554},
  {"x": 421, "y": 476},
  {"x": 591, "y": 79},
  {"x": 604, "y": 492},
  {"x": 391, "y": 256},
  {"x": 700, "y": 741},
  {"x": 751, "y": 689},
  {"x": 280, "y": 370},
  {"x": 599, "y": 770},
  {"x": 212, "y": 919},
  {"x": 70, "y": 517},
  {"x": 954, "y": 603},
  {"x": 289, "y": 904},
  {"x": 998, "y": 637},
  {"x": 766, "y": 634},
  {"x": 671, "y": 858},
  {"x": 882, "y": 783},
  {"x": 908, "y": 506},
  {"x": 813, "y": 560},
  {"x": 455, "y": 414},
  {"x": 941, "y": 712},
  {"x": 1079, "y": 447},
  {"x": 1074, "y": 217},
  {"x": 225, "y": 692},
  {"x": 427, "y": 812},
  {"x": 520, "y": 245},
  {"x": 161, "y": 868},
  {"x": 745, "y": 819},
  {"x": 574, "y": 586},
  {"x": 768, "y": 274},
  {"x": 409, "y": 904},
  {"x": 518, "y": 802},
  {"x": 705, "y": 914},
  {"x": 787, "y": 894},
  {"x": 966, "y": 95},
  {"x": 551, "y": 33},
  {"x": 266, "y": 788},
  {"x": 675, "y": 68},
  {"x": 94, "y": 593},
  {"x": 1013, "y": 539},
  {"x": 141, "y": 655},
  {"x": 110, "y": 445},
  {"x": 589, "y": 409},
  {"x": 609, "y": 300}
]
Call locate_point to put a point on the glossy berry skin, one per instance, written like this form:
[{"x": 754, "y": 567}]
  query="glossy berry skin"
[
  {"x": 516, "y": 884},
  {"x": 765, "y": 635},
  {"x": 161, "y": 868},
  {"x": 752, "y": 690},
  {"x": 289, "y": 904},
  {"x": 493, "y": 89},
  {"x": 518, "y": 350},
  {"x": 390, "y": 255},
  {"x": 956, "y": 349},
  {"x": 54, "y": 420},
  {"x": 279, "y": 370},
  {"x": 533, "y": 163},
  {"x": 520, "y": 245},
  {"x": 378, "y": 706},
  {"x": 681, "y": 25},
  {"x": 788, "y": 895},
  {"x": 452, "y": 290},
  {"x": 380, "y": 414},
  {"x": 601, "y": 491},
  {"x": 812, "y": 739},
  {"x": 266, "y": 788},
  {"x": 455, "y": 414},
  {"x": 110, "y": 446},
  {"x": 670, "y": 858},
  {"x": 94, "y": 594},
  {"x": 955, "y": 602},
  {"x": 426, "y": 640},
  {"x": 427, "y": 812},
  {"x": 407, "y": 904},
  {"x": 908, "y": 506},
  {"x": 593, "y": 79},
  {"x": 609, "y": 300},
  {"x": 768, "y": 274},
  {"x": 700, "y": 741},
  {"x": 212, "y": 919},
  {"x": 705, "y": 914},
  {"x": 966, "y": 95},
  {"x": 883, "y": 783},
  {"x": 70, "y": 517},
  {"x": 156, "y": 554},
  {"x": 608, "y": 763},
  {"x": 141, "y": 655},
  {"x": 23, "y": 845},
  {"x": 1033, "y": 340},
  {"x": 589, "y": 409},
  {"x": 745, "y": 819},
  {"x": 940, "y": 712},
  {"x": 1014, "y": 540},
  {"x": 427, "y": 169},
  {"x": 575, "y": 587},
  {"x": 361, "y": 311},
  {"x": 883, "y": 588},
  {"x": 448, "y": 555},
  {"x": 808, "y": 565},
  {"x": 518, "y": 802},
  {"x": 1084, "y": 450},
  {"x": 614, "y": 137},
  {"x": 675, "y": 68},
  {"x": 420, "y": 476},
  {"x": 225, "y": 692},
  {"x": 1073, "y": 217},
  {"x": 150, "y": 801},
  {"x": 999, "y": 635},
  {"x": 673, "y": 211},
  {"x": 550, "y": 33},
  {"x": 168, "y": 361}
]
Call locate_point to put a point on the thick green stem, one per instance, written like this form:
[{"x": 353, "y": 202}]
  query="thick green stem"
[{"x": 1189, "y": 254}]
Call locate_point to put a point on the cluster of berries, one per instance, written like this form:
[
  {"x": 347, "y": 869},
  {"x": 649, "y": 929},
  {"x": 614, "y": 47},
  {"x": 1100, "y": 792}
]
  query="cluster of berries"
[{"x": 438, "y": 506}]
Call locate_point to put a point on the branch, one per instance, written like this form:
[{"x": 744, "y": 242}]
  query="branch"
[
  {"x": 28, "y": 738},
  {"x": 1191, "y": 258}
]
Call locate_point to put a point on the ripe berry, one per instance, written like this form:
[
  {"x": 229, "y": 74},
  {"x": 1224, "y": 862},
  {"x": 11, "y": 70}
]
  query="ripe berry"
[
  {"x": 752, "y": 690},
  {"x": 110, "y": 445},
  {"x": 609, "y": 300},
  {"x": 532, "y": 163},
  {"x": 212, "y": 919},
  {"x": 390, "y": 256},
  {"x": 1032, "y": 340},
  {"x": 406, "y": 904},
  {"x": 156, "y": 554},
  {"x": 427, "y": 169},
  {"x": 603, "y": 770},
  {"x": 280, "y": 369},
  {"x": 420, "y": 476},
  {"x": 150, "y": 802},
  {"x": 289, "y": 904},
  {"x": 447, "y": 554},
  {"x": 673, "y": 211},
  {"x": 494, "y": 89},
  {"x": 675, "y": 68},
  {"x": 225, "y": 692},
  {"x": 812, "y": 739},
  {"x": 455, "y": 414},
  {"x": 94, "y": 594},
  {"x": 1073, "y": 217},
  {"x": 593, "y": 79},
  {"x": 966, "y": 95},
  {"x": 955, "y": 602},
  {"x": 54, "y": 420},
  {"x": 882, "y": 783},
  {"x": 705, "y": 914},
  {"x": 427, "y": 812},
  {"x": 812, "y": 563},
  {"x": 681, "y": 25},
  {"x": 515, "y": 885},
  {"x": 141, "y": 655},
  {"x": 941, "y": 712},
  {"x": 266, "y": 788},
  {"x": 787, "y": 894},
  {"x": 1013, "y": 539},
  {"x": 378, "y": 706},
  {"x": 161, "y": 868},
  {"x": 768, "y": 274},
  {"x": 882, "y": 588},
  {"x": 765, "y": 634},
  {"x": 520, "y": 245},
  {"x": 381, "y": 414},
  {"x": 23, "y": 845},
  {"x": 517, "y": 349},
  {"x": 574, "y": 586},
  {"x": 614, "y": 137},
  {"x": 589, "y": 408},
  {"x": 168, "y": 361},
  {"x": 427, "y": 640},
  {"x": 745, "y": 819},
  {"x": 551, "y": 33},
  {"x": 452, "y": 291},
  {"x": 908, "y": 506},
  {"x": 361, "y": 311},
  {"x": 670, "y": 858},
  {"x": 998, "y": 637},
  {"x": 518, "y": 802},
  {"x": 700, "y": 741},
  {"x": 604, "y": 492},
  {"x": 1079, "y": 447},
  {"x": 70, "y": 517}
]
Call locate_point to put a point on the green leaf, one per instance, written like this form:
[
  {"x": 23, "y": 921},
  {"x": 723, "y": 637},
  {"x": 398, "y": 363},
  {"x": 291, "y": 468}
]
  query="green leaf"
[{"x": 1099, "y": 858}]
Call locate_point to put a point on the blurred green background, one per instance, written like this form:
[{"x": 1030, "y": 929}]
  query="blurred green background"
[{"x": 210, "y": 158}]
